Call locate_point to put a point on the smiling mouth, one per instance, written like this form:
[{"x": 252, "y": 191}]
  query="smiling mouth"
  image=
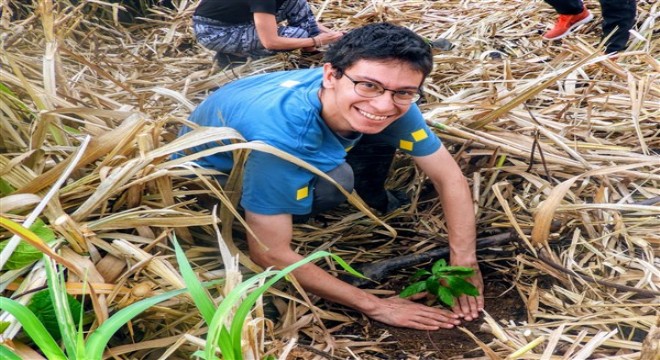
[{"x": 372, "y": 116}]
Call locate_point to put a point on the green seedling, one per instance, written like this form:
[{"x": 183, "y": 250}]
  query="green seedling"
[{"x": 453, "y": 276}]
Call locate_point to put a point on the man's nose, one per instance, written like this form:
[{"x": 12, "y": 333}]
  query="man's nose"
[{"x": 384, "y": 100}]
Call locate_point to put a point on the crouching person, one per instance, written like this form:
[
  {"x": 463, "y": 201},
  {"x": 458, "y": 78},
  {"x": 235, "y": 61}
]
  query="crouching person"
[
  {"x": 365, "y": 93},
  {"x": 240, "y": 28}
]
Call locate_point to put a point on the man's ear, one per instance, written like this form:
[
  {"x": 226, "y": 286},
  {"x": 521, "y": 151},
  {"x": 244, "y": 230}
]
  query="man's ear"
[{"x": 329, "y": 77}]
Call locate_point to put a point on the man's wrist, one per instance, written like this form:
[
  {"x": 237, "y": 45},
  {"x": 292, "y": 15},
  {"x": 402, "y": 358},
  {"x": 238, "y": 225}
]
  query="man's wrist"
[
  {"x": 367, "y": 304},
  {"x": 463, "y": 258}
]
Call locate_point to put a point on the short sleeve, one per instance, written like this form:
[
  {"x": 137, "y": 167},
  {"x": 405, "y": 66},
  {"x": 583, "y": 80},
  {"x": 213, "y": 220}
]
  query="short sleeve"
[
  {"x": 274, "y": 186},
  {"x": 263, "y": 6},
  {"x": 411, "y": 135}
]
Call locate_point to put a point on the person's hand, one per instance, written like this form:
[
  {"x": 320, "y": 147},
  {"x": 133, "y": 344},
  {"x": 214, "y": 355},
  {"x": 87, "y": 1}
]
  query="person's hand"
[
  {"x": 400, "y": 312},
  {"x": 330, "y": 37},
  {"x": 468, "y": 307}
]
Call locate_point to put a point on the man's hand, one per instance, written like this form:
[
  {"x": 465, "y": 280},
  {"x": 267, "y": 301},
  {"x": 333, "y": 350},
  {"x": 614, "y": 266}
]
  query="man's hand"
[
  {"x": 400, "y": 312},
  {"x": 454, "y": 194},
  {"x": 468, "y": 307}
]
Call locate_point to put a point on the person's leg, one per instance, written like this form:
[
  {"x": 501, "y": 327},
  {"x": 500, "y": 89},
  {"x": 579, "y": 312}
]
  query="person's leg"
[
  {"x": 326, "y": 195},
  {"x": 619, "y": 15},
  {"x": 371, "y": 160},
  {"x": 300, "y": 19},
  {"x": 230, "y": 39},
  {"x": 566, "y": 7},
  {"x": 572, "y": 13}
]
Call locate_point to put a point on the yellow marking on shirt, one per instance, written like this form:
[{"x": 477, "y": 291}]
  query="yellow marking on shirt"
[
  {"x": 302, "y": 193},
  {"x": 419, "y": 135},
  {"x": 348, "y": 148},
  {"x": 406, "y": 145}
]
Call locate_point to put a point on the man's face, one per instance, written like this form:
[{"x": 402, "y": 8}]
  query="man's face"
[{"x": 345, "y": 111}]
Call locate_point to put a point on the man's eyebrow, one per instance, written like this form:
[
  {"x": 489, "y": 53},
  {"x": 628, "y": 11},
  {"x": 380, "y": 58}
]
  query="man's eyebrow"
[{"x": 367, "y": 78}]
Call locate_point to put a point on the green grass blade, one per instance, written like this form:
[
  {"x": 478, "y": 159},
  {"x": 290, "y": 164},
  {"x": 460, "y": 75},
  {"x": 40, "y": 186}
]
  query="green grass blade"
[
  {"x": 7, "y": 354},
  {"x": 345, "y": 265},
  {"x": 62, "y": 309},
  {"x": 33, "y": 328},
  {"x": 99, "y": 338},
  {"x": 246, "y": 306},
  {"x": 217, "y": 324},
  {"x": 199, "y": 295}
]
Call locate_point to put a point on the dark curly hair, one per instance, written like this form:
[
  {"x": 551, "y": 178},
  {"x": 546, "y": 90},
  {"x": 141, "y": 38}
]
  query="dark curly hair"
[{"x": 381, "y": 41}]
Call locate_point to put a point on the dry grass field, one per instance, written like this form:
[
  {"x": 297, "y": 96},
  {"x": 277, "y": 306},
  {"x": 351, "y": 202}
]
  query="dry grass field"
[{"x": 559, "y": 142}]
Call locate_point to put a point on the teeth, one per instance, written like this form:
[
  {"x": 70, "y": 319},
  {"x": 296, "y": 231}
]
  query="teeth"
[{"x": 372, "y": 116}]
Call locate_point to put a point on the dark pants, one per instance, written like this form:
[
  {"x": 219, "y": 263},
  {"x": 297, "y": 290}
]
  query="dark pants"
[
  {"x": 242, "y": 39},
  {"x": 616, "y": 13},
  {"x": 366, "y": 169}
]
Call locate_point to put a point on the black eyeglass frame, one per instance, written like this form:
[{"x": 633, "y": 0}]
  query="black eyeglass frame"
[{"x": 417, "y": 96}]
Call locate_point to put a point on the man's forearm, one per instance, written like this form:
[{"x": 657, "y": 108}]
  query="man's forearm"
[{"x": 459, "y": 214}]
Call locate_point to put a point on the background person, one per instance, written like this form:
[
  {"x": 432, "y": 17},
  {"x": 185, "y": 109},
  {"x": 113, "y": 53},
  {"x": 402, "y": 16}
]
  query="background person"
[
  {"x": 242, "y": 28},
  {"x": 367, "y": 87},
  {"x": 617, "y": 14}
]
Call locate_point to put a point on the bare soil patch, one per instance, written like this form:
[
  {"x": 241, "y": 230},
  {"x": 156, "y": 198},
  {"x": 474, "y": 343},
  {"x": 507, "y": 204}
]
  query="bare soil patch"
[{"x": 502, "y": 302}]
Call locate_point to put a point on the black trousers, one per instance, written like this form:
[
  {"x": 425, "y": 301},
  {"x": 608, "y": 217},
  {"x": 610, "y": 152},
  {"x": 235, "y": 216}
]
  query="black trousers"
[
  {"x": 617, "y": 14},
  {"x": 366, "y": 169}
]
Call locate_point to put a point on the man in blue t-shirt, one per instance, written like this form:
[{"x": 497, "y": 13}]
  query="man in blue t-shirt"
[{"x": 364, "y": 93}]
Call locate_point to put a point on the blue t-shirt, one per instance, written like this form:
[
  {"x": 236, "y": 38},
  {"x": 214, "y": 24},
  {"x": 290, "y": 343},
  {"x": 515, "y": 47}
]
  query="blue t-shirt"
[{"x": 283, "y": 109}]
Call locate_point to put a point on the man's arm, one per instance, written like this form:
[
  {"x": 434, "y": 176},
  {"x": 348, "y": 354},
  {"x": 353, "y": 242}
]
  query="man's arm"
[
  {"x": 275, "y": 233},
  {"x": 454, "y": 194}
]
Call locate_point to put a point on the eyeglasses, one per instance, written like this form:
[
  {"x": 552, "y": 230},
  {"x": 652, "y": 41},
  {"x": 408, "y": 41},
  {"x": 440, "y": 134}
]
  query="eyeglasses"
[{"x": 371, "y": 90}]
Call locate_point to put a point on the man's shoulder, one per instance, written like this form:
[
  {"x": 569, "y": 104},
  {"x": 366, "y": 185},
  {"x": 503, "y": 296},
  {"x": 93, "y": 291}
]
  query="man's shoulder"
[
  {"x": 265, "y": 91},
  {"x": 284, "y": 78}
]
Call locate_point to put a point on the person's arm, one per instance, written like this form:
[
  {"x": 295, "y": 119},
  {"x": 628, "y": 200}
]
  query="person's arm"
[
  {"x": 454, "y": 194},
  {"x": 266, "y": 25},
  {"x": 275, "y": 233}
]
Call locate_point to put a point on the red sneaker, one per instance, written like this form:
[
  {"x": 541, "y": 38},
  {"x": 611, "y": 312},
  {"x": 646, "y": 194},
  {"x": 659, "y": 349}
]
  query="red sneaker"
[{"x": 566, "y": 23}]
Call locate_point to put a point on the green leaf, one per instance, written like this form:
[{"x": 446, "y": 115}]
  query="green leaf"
[
  {"x": 5, "y": 187},
  {"x": 33, "y": 328},
  {"x": 99, "y": 338},
  {"x": 455, "y": 271},
  {"x": 440, "y": 264},
  {"x": 432, "y": 284},
  {"x": 413, "y": 289},
  {"x": 216, "y": 333},
  {"x": 419, "y": 274},
  {"x": 40, "y": 229},
  {"x": 199, "y": 354},
  {"x": 71, "y": 130},
  {"x": 200, "y": 296},
  {"x": 461, "y": 286},
  {"x": 4, "y": 325},
  {"x": 445, "y": 295},
  {"x": 243, "y": 310},
  {"x": 62, "y": 311},
  {"x": 7, "y": 354},
  {"x": 42, "y": 306},
  {"x": 25, "y": 254}
]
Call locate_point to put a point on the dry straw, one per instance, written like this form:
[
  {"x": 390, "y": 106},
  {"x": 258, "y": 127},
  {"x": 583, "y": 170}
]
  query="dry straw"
[{"x": 558, "y": 141}]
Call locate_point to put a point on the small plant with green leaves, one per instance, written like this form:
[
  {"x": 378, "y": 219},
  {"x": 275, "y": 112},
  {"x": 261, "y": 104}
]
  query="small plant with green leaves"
[{"x": 432, "y": 282}]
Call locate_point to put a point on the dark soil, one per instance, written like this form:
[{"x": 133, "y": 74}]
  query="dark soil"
[
  {"x": 501, "y": 301},
  {"x": 442, "y": 344}
]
